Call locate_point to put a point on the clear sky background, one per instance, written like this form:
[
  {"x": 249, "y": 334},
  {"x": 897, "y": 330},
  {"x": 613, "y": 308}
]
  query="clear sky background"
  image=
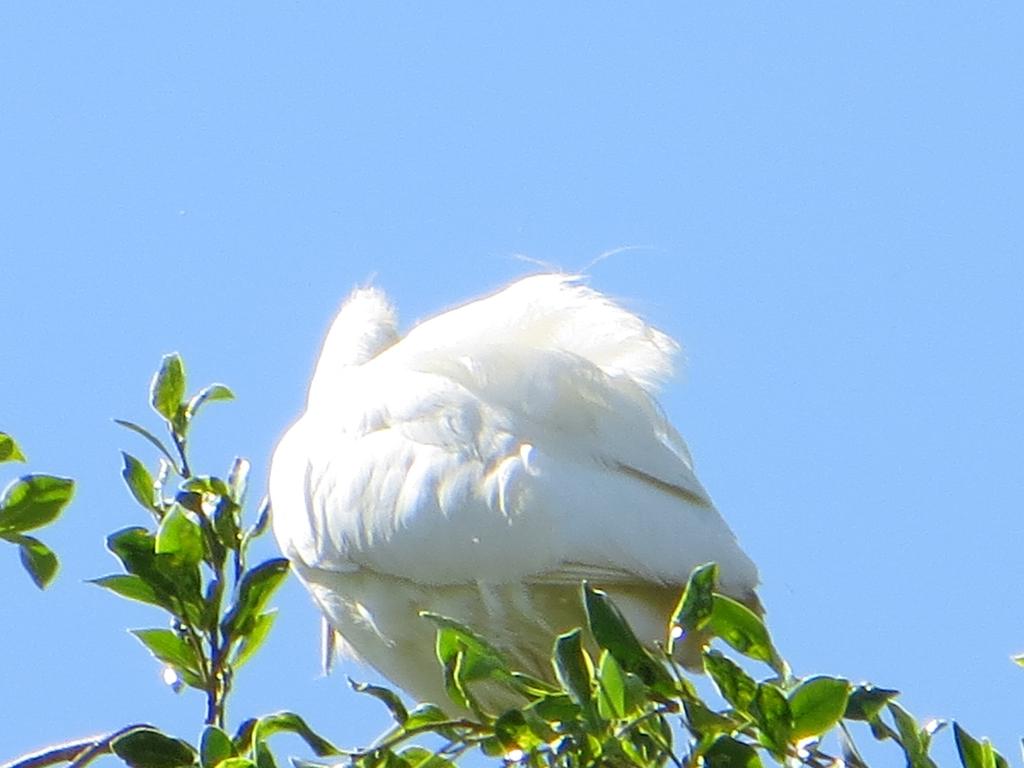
[{"x": 822, "y": 201}]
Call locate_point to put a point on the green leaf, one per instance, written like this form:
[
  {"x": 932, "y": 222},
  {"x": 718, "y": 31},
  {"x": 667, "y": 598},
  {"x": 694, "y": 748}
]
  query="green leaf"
[
  {"x": 210, "y": 393},
  {"x": 256, "y": 730},
  {"x": 480, "y": 659},
  {"x": 611, "y": 688},
  {"x": 423, "y": 715},
  {"x": 180, "y": 536},
  {"x": 695, "y": 605},
  {"x": 154, "y": 441},
  {"x": 238, "y": 479},
  {"x": 129, "y": 586},
  {"x": 237, "y": 762},
  {"x": 735, "y": 685},
  {"x": 514, "y": 732},
  {"x": 744, "y": 630},
  {"x": 388, "y": 697},
  {"x": 37, "y": 558},
  {"x": 912, "y": 737},
  {"x": 170, "y": 648},
  {"x": 552, "y": 707},
  {"x": 817, "y": 704},
  {"x": 168, "y": 388},
  {"x": 149, "y": 748},
  {"x": 573, "y": 667},
  {"x": 33, "y": 501},
  {"x": 419, "y": 757},
  {"x": 974, "y": 753},
  {"x": 252, "y": 641},
  {"x": 727, "y": 752},
  {"x": 703, "y": 721},
  {"x": 207, "y": 484},
  {"x": 139, "y": 481},
  {"x": 866, "y": 701},
  {"x": 214, "y": 746},
  {"x": 176, "y": 585},
  {"x": 772, "y": 713},
  {"x": 264, "y": 757},
  {"x": 9, "y": 450},
  {"x": 254, "y": 590},
  {"x": 613, "y": 633}
]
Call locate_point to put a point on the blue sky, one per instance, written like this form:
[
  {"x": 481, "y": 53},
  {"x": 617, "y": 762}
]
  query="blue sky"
[{"x": 821, "y": 201}]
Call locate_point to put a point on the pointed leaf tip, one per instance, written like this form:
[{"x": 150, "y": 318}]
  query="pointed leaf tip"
[{"x": 9, "y": 450}]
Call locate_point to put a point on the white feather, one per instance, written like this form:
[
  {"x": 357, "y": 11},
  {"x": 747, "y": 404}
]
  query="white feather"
[{"x": 484, "y": 465}]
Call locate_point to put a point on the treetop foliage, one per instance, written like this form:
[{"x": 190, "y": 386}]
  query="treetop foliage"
[{"x": 610, "y": 700}]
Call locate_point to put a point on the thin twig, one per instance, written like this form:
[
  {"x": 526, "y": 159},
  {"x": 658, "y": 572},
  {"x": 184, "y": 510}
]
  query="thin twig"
[{"x": 79, "y": 752}]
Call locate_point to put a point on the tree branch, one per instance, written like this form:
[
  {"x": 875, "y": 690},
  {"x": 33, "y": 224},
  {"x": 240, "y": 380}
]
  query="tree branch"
[{"x": 80, "y": 752}]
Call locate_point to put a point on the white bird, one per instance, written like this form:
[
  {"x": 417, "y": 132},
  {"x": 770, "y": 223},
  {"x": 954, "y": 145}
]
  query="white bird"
[{"x": 484, "y": 465}]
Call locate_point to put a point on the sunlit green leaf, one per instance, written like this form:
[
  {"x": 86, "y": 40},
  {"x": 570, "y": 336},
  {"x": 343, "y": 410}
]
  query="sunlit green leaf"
[
  {"x": 477, "y": 658},
  {"x": 388, "y": 697},
  {"x": 423, "y": 715},
  {"x": 207, "y": 484},
  {"x": 238, "y": 479},
  {"x": 256, "y": 729},
  {"x": 735, "y": 685},
  {"x": 514, "y": 732},
  {"x": 727, "y": 752},
  {"x": 210, "y": 393},
  {"x": 418, "y": 757},
  {"x": 33, "y": 501},
  {"x": 255, "y": 589},
  {"x": 130, "y": 586},
  {"x": 214, "y": 746},
  {"x": 866, "y": 701},
  {"x": 149, "y": 748},
  {"x": 744, "y": 630},
  {"x": 37, "y": 558},
  {"x": 573, "y": 667},
  {"x": 176, "y": 585},
  {"x": 139, "y": 481},
  {"x": 703, "y": 721},
  {"x": 613, "y": 633},
  {"x": 976, "y": 754},
  {"x": 817, "y": 704},
  {"x": 772, "y": 713},
  {"x": 611, "y": 688},
  {"x": 168, "y": 388},
  {"x": 251, "y": 642},
  {"x": 264, "y": 757},
  {"x": 696, "y": 603},
  {"x": 169, "y": 647},
  {"x": 9, "y": 450},
  {"x": 179, "y": 536},
  {"x": 912, "y": 737},
  {"x": 236, "y": 762}
]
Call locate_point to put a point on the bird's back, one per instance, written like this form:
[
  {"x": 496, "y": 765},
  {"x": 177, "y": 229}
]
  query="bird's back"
[{"x": 485, "y": 464}]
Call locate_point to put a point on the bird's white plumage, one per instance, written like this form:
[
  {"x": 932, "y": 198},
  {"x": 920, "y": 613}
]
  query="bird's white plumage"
[{"x": 482, "y": 466}]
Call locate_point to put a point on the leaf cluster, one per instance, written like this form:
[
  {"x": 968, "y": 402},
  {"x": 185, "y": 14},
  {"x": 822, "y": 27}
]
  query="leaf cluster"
[
  {"x": 28, "y": 503},
  {"x": 616, "y": 702},
  {"x": 609, "y": 700}
]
